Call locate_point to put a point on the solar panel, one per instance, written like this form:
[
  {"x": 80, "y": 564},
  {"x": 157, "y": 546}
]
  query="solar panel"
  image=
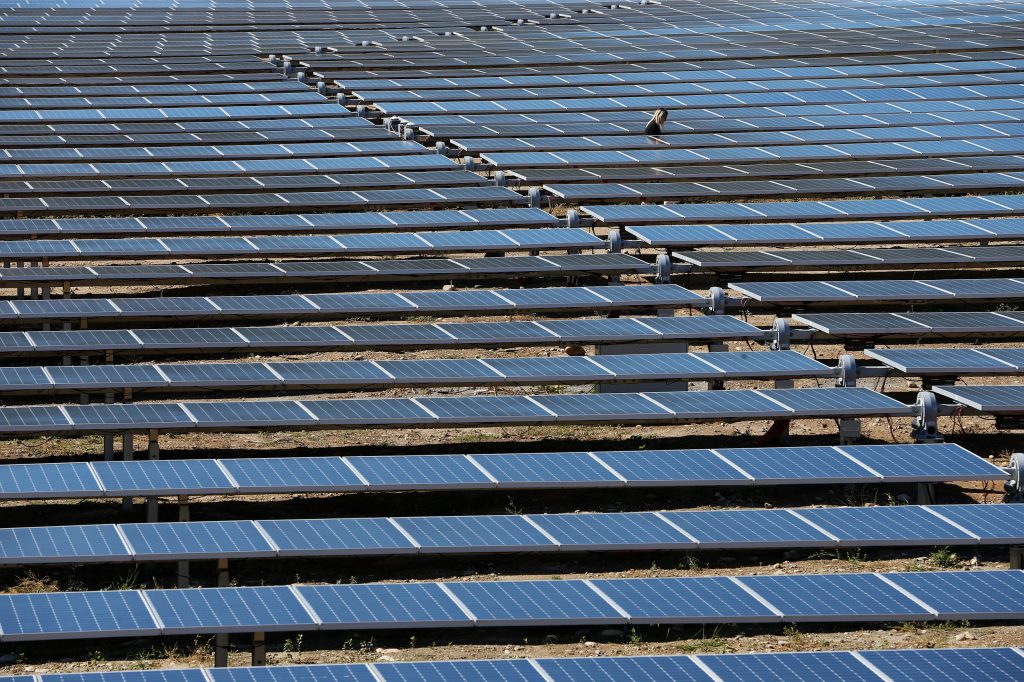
[
  {"x": 75, "y": 615},
  {"x": 40, "y": 481},
  {"x": 825, "y": 666},
  {"x": 198, "y": 540},
  {"x": 292, "y": 673},
  {"x": 556, "y": 470},
  {"x": 54, "y": 544},
  {"x": 843, "y": 597},
  {"x": 682, "y": 600},
  {"x": 909, "y": 462},
  {"x": 334, "y": 537},
  {"x": 785, "y": 465},
  {"x": 584, "y": 532},
  {"x": 285, "y": 474},
  {"x": 483, "y": 533},
  {"x": 944, "y": 665},
  {"x": 535, "y": 602},
  {"x": 649, "y": 668},
  {"x": 973, "y": 595},
  {"x": 377, "y": 606},
  {"x": 164, "y": 477},
  {"x": 444, "y": 671},
  {"x": 902, "y": 526},
  {"x": 234, "y": 609},
  {"x": 412, "y": 472}
]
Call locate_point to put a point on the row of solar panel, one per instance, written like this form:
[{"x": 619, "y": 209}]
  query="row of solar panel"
[
  {"x": 708, "y": 120},
  {"x": 355, "y": 163},
  {"x": 982, "y": 230},
  {"x": 966, "y": 256},
  {"x": 878, "y": 291},
  {"x": 755, "y": 76},
  {"x": 185, "y": 87},
  {"x": 902, "y": 526},
  {"x": 340, "y": 120},
  {"x": 169, "y": 114},
  {"x": 865, "y": 209},
  {"x": 691, "y": 140},
  {"x": 261, "y": 183},
  {"x": 220, "y": 152},
  {"x": 945, "y": 94},
  {"x": 660, "y": 407},
  {"x": 306, "y": 223},
  {"x": 713, "y": 131},
  {"x": 364, "y": 374},
  {"x": 950, "y": 183},
  {"x": 555, "y": 299},
  {"x": 951, "y": 361},
  {"x": 295, "y": 134},
  {"x": 305, "y": 245},
  {"x": 790, "y": 152},
  {"x": 302, "y": 271},
  {"x": 915, "y": 325},
  {"x": 721, "y": 467},
  {"x": 181, "y": 100},
  {"x": 262, "y": 201},
  {"x": 898, "y": 665},
  {"x": 796, "y": 89},
  {"x": 696, "y": 329},
  {"x": 839, "y": 597},
  {"x": 578, "y": 123}
]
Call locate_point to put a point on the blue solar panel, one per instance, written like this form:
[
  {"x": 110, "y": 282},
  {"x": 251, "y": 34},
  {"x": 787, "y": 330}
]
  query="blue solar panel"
[
  {"x": 383, "y": 606},
  {"x": 959, "y": 595},
  {"x": 560, "y": 469},
  {"x": 419, "y": 471},
  {"x": 827, "y": 666},
  {"x": 785, "y": 465},
  {"x": 1003, "y": 523},
  {"x": 535, "y": 602},
  {"x": 332, "y": 537},
  {"x": 164, "y": 477},
  {"x": 59, "y": 543},
  {"x": 749, "y": 528},
  {"x": 901, "y": 526},
  {"x": 73, "y": 615},
  {"x": 621, "y": 669},
  {"x": 661, "y": 467},
  {"x": 230, "y": 609},
  {"x": 311, "y": 474},
  {"x": 289, "y": 673},
  {"x": 459, "y": 671},
  {"x": 840, "y": 597},
  {"x": 47, "y": 480},
  {"x": 623, "y": 531},
  {"x": 944, "y": 461},
  {"x": 686, "y": 600},
  {"x": 484, "y": 533},
  {"x": 947, "y": 665},
  {"x": 198, "y": 540},
  {"x": 166, "y": 675}
]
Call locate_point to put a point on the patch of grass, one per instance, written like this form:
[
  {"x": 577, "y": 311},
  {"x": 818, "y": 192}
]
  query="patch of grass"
[
  {"x": 706, "y": 643},
  {"x": 944, "y": 557}
]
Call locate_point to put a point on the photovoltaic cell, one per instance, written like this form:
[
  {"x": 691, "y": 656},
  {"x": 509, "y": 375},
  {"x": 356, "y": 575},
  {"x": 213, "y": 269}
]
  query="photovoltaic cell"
[
  {"x": 377, "y": 606},
  {"x": 235, "y": 609},
  {"x": 945, "y": 665},
  {"x": 535, "y": 602},
  {"x": 823, "y": 666},
  {"x": 846, "y": 597},
  {"x": 616, "y": 669},
  {"x": 681, "y": 600},
  {"x": 460, "y": 671}
]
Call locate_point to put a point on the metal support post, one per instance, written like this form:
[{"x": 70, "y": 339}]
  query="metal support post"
[
  {"x": 926, "y": 493},
  {"x": 153, "y": 453},
  {"x": 1017, "y": 557},
  {"x": 220, "y": 651},
  {"x": 259, "y": 648}
]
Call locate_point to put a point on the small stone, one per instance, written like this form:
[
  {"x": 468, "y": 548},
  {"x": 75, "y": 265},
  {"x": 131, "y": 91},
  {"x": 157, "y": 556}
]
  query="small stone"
[
  {"x": 973, "y": 561},
  {"x": 767, "y": 505},
  {"x": 574, "y": 350},
  {"x": 590, "y": 644},
  {"x": 963, "y": 636},
  {"x": 448, "y": 287},
  {"x": 386, "y": 659},
  {"x": 386, "y": 651}
]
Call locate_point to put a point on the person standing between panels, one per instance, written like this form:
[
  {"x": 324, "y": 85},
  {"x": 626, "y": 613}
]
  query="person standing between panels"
[{"x": 658, "y": 120}]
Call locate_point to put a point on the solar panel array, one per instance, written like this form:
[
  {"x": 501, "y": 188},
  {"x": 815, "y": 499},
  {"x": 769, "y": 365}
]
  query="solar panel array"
[{"x": 174, "y": 175}]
